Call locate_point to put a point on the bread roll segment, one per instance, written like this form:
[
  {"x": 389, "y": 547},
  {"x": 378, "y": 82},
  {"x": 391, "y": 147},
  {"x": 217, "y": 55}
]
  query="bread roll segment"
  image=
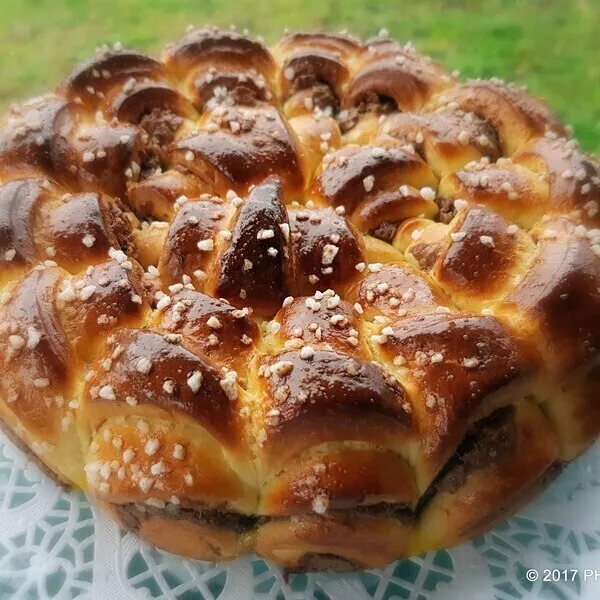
[{"x": 323, "y": 301}]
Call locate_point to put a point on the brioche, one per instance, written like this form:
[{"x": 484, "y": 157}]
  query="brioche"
[{"x": 325, "y": 302}]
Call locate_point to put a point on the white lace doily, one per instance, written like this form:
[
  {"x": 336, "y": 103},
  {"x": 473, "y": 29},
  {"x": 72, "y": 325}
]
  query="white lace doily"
[{"x": 55, "y": 544}]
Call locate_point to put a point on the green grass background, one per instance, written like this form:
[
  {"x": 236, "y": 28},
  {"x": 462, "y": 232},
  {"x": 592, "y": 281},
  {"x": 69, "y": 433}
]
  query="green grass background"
[{"x": 553, "y": 46}]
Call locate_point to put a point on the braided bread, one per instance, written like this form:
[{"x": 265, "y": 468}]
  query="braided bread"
[{"x": 325, "y": 302}]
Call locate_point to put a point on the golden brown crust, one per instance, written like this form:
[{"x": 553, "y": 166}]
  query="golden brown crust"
[
  {"x": 563, "y": 280},
  {"x": 37, "y": 356},
  {"x": 480, "y": 257},
  {"x": 451, "y": 363},
  {"x": 398, "y": 290},
  {"x": 91, "y": 80},
  {"x": 212, "y": 46},
  {"x": 170, "y": 362},
  {"x": 329, "y": 328},
  {"x": 154, "y": 461},
  {"x": 314, "y": 71},
  {"x": 201, "y": 542},
  {"x": 156, "y": 196},
  {"x": 233, "y": 337},
  {"x": 347, "y": 476},
  {"x": 516, "y": 116},
  {"x": 323, "y": 301},
  {"x": 40, "y": 221},
  {"x": 28, "y": 136},
  {"x": 447, "y": 139},
  {"x": 258, "y": 235},
  {"x": 571, "y": 175},
  {"x": 100, "y": 300},
  {"x": 342, "y": 181},
  {"x": 326, "y": 249},
  {"x": 247, "y": 145},
  {"x": 499, "y": 480},
  {"x": 316, "y": 135},
  {"x": 395, "y": 72},
  {"x": 194, "y": 223}
]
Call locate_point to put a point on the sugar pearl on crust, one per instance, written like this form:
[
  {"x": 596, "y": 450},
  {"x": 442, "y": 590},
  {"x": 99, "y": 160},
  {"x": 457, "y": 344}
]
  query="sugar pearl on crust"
[
  {"x": 459, "y": 236},
  {"x": 329, "y": 253},
  {"x": 368, "y": 183},
  {"x": 151, "y": 446},
  {"x": 194, "y": 381},
  {"x": 470, "y": 363},
  {"x": 307, "y": 353},
  {"x": 145, "y": 484},
  {"x": 107, "y": 393},
  {"x": 320, "y": 504},
  {"x": 143, "y": 365},
  {"x": 205, "y": 245},
  {"x": 178, "y": 452},
  {"x": 214, "y": 323},
  {"x": 88, "y": 240},
  {"x": 229, "y": 385},
  {"x": 427, "y": 194},
  {"x": 487, "y": 240},
  {"x": 16, "y": 341},
  {"x": 159, "y": 468},
  {"x": 265, "y": 234}
]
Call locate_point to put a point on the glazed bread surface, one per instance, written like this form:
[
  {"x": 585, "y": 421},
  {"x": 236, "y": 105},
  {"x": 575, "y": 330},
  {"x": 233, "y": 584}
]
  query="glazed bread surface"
[{"x": 324, "y": 301}]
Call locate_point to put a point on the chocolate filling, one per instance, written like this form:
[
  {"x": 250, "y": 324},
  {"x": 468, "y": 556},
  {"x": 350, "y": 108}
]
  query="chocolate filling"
[
  {"x": 119, "y": 222},
  {"x": 322, "y": 96},
  {"x": 243, "y": 94},
  {"x": 402, "y": 512},
  {"x": 490, "y": 440},
  {"x": 380, "y": 105},
  {"x": 385, "y": 231},
  {"x": 447, "y": 210},
  {"x": 131, "y": 514},
  {"x": 161, "y": 125},
  {"x": 426, "y": 254}
]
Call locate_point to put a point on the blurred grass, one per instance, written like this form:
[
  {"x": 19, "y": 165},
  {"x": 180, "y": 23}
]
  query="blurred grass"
[{"x": 553, "y": 46}]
